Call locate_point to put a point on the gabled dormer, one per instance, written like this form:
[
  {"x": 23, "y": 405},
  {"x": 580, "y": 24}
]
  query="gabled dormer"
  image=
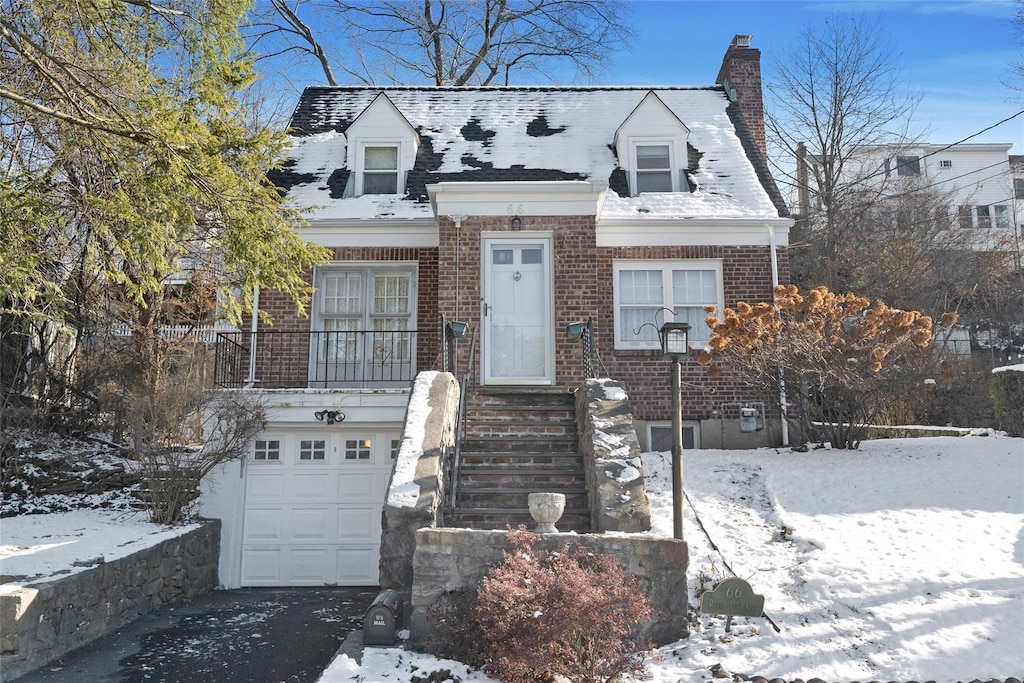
[
  {"x": 651, "y": 148},
  {"x": 380, "y": 150}
]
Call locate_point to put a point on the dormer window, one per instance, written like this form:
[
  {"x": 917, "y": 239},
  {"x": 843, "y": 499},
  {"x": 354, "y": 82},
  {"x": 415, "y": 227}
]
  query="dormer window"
[
  {"x": 653, "y": 169},
  {"x": 380, "y": 169},
  {"x": 381, "y": 150},
  {"x": 651, "y": 147}
]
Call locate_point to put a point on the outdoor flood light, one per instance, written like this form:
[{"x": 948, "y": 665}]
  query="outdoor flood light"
[
  {"x": 674, "y": 342},
  {"x": 329, "y": 416},
  {"x": 459, "y": 329},
  {"x": 574, "y": 330}
]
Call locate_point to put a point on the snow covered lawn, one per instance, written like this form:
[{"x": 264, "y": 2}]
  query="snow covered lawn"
[{"x": 905, "y": 561}]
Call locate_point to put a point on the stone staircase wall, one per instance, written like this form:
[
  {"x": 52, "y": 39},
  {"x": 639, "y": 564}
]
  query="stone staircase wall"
[{"x": 611, "y": 454}]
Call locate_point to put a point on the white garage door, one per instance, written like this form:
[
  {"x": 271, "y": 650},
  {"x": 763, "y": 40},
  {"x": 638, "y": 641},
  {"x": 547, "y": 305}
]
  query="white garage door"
[{"x": 313, "y": 508}]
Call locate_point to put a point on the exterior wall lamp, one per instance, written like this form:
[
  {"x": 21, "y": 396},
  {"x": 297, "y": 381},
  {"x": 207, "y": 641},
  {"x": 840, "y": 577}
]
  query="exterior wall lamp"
[
  {"x": 329, "y": 416},
  {"x": 459, "y": 329},
  {"x": 674, "y": 344},
  {"x": 517, "y": 223}
]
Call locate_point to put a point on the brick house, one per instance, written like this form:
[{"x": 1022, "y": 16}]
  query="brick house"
[{"x": 518, "y": 211}]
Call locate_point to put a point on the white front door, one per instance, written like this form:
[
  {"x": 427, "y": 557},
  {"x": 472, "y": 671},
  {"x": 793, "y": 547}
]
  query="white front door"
[{"x": 517, "y": 339}]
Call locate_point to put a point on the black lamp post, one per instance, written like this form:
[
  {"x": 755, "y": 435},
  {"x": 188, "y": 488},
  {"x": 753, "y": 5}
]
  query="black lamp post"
[{"x": 674, "y": 344}]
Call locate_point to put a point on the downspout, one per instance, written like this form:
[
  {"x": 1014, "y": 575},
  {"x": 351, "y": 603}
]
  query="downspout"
[
  {"x": 253, "y": 327},
  {"x": 458, "y": 248},
  {"x": 782, "y": 381}
]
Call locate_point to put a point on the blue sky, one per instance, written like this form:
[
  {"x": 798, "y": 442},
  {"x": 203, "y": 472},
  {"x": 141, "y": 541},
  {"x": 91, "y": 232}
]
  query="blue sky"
[{"x": 956, "y": 55}]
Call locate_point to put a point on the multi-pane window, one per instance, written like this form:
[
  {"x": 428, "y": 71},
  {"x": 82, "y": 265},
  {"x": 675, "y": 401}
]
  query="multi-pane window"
[
  {"x": 648, "y": 293},
  {"x": 360, "y": 301},
  {"x": 946, "y": 163},
  {"x": 312, "y": 449},
  {"x": 266, "y": 449},
  {"x": 1018, "y": 188},
  {"x": 380, "y": 169},
  {"x": 653, "y": 168},
  {"x": 396, "y": 445},
  {"x": 357, "y": 449}
]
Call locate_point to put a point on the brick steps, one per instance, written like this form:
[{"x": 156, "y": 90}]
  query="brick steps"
[{"x": 519, "y": 440}]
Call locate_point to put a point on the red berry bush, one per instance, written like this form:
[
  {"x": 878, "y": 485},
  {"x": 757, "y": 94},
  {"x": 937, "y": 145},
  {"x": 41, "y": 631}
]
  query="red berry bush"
[{"x": 540, "y": 613}]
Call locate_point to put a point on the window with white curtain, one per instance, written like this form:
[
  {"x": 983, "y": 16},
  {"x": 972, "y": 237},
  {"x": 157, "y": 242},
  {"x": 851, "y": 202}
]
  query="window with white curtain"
[
  {"x": 380, "y": 169},
  {"x": 653, "y": 168},
  {"x": 649, "y": 293},
  {"x": 355, "y": 300}
]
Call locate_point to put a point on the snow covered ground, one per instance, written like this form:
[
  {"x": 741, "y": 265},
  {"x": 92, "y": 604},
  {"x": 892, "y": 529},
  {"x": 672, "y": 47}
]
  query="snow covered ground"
[
  {"x": 905, "y": 561},
  {"x": 901, "y": 561}
]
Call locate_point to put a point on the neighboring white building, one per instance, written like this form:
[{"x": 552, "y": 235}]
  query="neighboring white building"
[{"x": 975, "y": 181}]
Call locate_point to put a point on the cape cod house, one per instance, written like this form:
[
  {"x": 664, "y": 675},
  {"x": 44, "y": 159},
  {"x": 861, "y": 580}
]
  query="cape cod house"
[{"x": 523, "y": 216}]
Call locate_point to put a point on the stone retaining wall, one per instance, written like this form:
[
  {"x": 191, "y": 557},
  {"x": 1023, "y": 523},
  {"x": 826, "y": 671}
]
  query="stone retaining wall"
[
  {"x": 40, "y": 622},
  {"x": 449, "y": 560}
]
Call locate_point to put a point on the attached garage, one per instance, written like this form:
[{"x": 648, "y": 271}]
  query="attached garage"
[
  {"x": 313, "y": 508},
  {"x": 304, "y": 508}
]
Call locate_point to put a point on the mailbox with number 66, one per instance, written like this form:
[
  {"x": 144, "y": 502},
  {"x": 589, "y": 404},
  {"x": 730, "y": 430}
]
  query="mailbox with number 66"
[{"x": 383, "y": 619}]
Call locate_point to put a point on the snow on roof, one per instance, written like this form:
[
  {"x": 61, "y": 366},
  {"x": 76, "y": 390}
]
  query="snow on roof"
[{"x": 525, "y": 134}]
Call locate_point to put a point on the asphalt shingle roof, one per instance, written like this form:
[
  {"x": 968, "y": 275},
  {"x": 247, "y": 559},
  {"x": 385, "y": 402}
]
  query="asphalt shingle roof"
[{"x": 529, "y": 134}]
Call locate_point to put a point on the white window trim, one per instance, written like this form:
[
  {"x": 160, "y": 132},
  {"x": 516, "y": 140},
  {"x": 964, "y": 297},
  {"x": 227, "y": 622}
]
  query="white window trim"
[
  {"x": 281, "y": 449},
  {"x": 360, "y": 161},
  {"x": 666, "y": 266},
  {"x": 312, "y": 438},
  {"x": 673, "y": 161}
]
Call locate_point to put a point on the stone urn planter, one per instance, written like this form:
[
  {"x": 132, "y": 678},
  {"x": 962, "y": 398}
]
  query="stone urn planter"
[{"x": 546, "y": 509}]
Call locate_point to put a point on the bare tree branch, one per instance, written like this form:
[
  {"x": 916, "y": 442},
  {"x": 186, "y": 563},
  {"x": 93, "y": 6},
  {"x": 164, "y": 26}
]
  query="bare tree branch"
[{"x": 453, "y": 42}]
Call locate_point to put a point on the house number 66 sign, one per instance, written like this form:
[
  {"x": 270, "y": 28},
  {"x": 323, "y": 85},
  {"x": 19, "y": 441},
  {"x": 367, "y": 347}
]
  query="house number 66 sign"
[{"x": 732, "y": 598}]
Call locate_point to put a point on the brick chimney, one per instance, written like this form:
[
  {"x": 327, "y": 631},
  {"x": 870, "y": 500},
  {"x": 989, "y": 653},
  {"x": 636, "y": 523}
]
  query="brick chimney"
[{"x": 741, "y": 76}]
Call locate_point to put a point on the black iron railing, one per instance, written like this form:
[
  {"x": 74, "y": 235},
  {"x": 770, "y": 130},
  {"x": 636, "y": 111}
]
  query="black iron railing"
[
  {"x": 589, "y": 349},
  {"x": 273, "y": 359}
]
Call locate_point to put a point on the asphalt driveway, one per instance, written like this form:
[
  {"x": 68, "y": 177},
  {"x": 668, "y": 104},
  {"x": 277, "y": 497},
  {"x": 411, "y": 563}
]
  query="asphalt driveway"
[{"x": 254, "y": 635}]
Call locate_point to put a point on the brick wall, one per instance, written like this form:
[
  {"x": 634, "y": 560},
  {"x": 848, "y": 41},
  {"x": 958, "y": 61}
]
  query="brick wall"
[
  {"x": 583, "y": 286},
  {"x": 741, "y": 71},
  {"x": 449, "y": 284}
]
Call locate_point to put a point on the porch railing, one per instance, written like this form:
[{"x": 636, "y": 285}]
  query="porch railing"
[{"x": 317, "y": 359}]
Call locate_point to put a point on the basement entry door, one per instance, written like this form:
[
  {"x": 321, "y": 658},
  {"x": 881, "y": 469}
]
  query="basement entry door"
[
  {"x": 517, "y": 340},
  {"x": 313, "y": 508}
]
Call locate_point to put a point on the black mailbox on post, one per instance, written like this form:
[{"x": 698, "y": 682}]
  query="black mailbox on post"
[{"x": 383, "y": 619}]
